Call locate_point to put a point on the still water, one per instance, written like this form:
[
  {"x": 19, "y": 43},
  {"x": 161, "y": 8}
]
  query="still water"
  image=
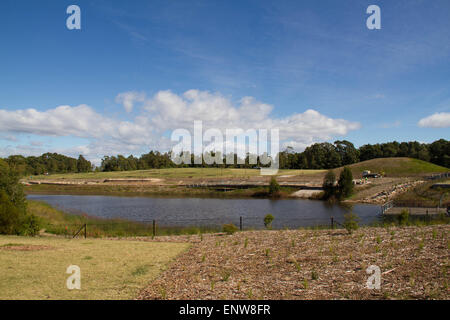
[{"x": 291, "y": 213}]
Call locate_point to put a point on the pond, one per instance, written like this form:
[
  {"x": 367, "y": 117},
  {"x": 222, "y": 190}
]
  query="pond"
[{"x": 288, "y": 213}]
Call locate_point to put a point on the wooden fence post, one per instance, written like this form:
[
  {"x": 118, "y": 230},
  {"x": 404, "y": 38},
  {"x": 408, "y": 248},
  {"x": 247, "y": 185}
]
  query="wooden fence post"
[
  {"x": 240, "y": 223},
  {"x": 154, "y": 228},
  {"x": 332, "y": 223}
]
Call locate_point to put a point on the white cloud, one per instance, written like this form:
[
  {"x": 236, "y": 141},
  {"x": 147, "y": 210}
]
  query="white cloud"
[
  {"x": 80, "y": 121},
  {"x": 170, "y": 111},
  {"x": 162, "y": 113},
  {"x": 128, "y": 99},
  {"x": 437, "y": 120}
]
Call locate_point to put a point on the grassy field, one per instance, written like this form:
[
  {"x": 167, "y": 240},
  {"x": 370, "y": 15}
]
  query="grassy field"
[
  {"x": 35, "y": 268},
  {"x": 172, "y": 181},
  {"x": 392, "y": 167},
  {"x": 172, "y": 173}
]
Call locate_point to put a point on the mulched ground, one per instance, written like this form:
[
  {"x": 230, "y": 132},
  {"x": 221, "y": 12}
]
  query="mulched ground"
[{"x": 308, "y": 264}]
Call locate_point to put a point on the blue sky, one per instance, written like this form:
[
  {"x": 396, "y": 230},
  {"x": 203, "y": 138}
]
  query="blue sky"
[{"x": 366, "y": 86}]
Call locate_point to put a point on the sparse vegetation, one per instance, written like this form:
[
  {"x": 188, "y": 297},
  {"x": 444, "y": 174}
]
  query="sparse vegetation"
[
  {"x": 326, "y": 264},
  {"x": 403, "y": 217},
  {"x": 268, "y": 219},
  {"x": 229, "y": 228},
  {"x": 351, "y": 222}
]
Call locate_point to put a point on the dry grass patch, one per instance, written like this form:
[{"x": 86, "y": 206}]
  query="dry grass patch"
[{"x": 35, "y": 268}]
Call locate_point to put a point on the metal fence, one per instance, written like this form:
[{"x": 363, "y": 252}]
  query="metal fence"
[
  {"x": 187, "y": 226},
  {"x": 439, "y": 176}
]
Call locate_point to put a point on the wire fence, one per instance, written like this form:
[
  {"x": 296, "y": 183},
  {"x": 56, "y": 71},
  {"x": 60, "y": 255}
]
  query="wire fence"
[
  {"x": 161, "y": 227},
  {"x": 167, "y": 227}
]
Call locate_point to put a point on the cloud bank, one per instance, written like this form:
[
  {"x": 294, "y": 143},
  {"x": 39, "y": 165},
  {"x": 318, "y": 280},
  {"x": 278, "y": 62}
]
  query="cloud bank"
[
  {"x": 437, "y": 120},
  {"x": 164, "y": 112}
]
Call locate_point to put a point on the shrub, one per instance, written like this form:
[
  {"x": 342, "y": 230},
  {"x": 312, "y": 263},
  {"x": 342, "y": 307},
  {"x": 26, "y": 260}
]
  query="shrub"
[
  {"x": 9, "y": 215},
  {"x": 31, "y": 225},
  {"x": 351, "y": 222},
  {"x": 229, "y": 228},
  {"x": 403, "y": 217},
  {"x": 274, "y": 187},
  {"x": 268, "y": 221}
]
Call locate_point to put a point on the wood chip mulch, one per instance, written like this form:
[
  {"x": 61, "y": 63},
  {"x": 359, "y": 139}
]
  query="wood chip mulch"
[{"x": 308, "y": 264}]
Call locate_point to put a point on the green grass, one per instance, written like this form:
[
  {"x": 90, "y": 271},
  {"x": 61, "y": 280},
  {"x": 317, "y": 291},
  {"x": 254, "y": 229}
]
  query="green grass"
[
  {"x": 115, "y": 269},
  {"x": 170, "y": 173},
  {"x": 151, "y": 191},
  {"x": 396, "y": 167}
]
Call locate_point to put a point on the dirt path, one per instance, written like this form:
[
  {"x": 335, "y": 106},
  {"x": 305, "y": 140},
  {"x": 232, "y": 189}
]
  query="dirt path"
[{"x": 306, "y": 264}]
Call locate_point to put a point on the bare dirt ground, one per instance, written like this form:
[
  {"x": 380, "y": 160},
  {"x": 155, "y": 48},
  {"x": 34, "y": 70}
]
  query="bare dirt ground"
[
  {"x": 308, "y": 264},
  {"x": 381, "y": 190}
]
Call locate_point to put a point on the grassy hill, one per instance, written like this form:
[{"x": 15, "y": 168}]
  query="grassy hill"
[
  {"x": 396, "y": 167},
  {"x": 393, "y": 167}
]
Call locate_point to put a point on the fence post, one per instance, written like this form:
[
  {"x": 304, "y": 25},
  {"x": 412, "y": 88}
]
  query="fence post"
[
  {"x": 154, "y": 228},
  {"x": 332, "y": 223},
  {"x": 240, "y": 223},
  {"x": 85, "y": 230}
]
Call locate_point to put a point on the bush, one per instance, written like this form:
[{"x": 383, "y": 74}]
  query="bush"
[
  {"x": 403, "y": 217},
  {"x": 13, "y": 209},
  {"x": 229, "y": 228},
  {"x": 268, "y": 221},
  {"x": 351, "y": 222},
  {"x": 9, "y": 215},
  {"x": 30, "y": 226},
  {"x": 274, "y": 187}
]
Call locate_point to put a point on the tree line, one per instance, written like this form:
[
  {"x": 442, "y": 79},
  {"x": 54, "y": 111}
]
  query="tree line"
[
  {"x": 317, "y": 156},
  {"x": 48, "y": 163},
  {"x": 341, "y": 153}
]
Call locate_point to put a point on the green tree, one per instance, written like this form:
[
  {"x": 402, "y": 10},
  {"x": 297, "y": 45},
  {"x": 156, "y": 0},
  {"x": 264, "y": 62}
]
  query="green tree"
[
  {"x": 345, "y": 183},
  {"x": 83, "y": 165},
  {"x": 13, "y": 215},
  {"x": 347, "y": 151},
  {"x": 329, "y": 185}
]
